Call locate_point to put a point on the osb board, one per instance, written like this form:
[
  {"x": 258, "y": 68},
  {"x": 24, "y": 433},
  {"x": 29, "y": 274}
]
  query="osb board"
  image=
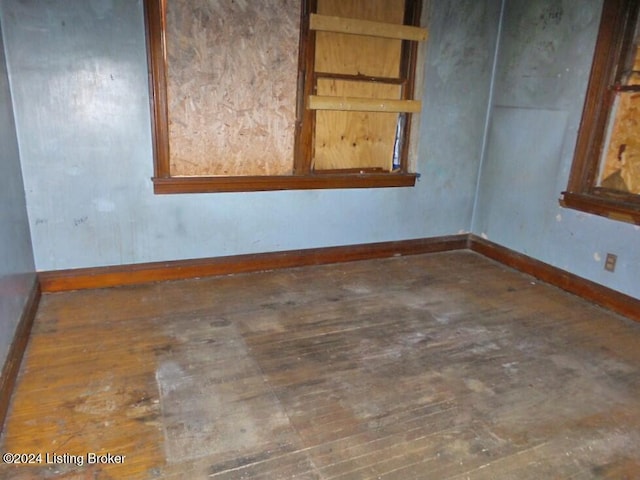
[
  {"x": 231, "y": 86},
  {"x": 621, "y": 162},
  {"x": 621, "y": 170},
  {"x": 347, "y": 140},
  {"x": 354, "y": 54}
]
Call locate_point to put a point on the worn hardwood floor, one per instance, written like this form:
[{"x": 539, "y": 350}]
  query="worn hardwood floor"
[{"x": 440, "y": 366}]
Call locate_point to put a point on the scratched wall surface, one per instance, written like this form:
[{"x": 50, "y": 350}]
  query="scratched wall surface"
[
  {"x": 16, "y": 260},
  {"x": 82, "y": 110},
  {"x": 231, "y": 86},
  {"x": 544, "y": 59}
]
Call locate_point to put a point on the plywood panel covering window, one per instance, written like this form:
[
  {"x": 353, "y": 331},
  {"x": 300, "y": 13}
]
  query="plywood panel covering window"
[
  {"x": 605, "y": 177},
  {"x": 352, "y": 139},
  {"x": 231, "y": 86},
  {"x": 282, "y": 95}
]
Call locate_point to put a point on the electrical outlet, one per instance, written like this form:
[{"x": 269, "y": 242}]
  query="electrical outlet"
[{"x": 610, "y": 262}]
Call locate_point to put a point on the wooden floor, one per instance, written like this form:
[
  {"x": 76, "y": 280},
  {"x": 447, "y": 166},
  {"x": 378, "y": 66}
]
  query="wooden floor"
[{"x": 441, "y": 366}]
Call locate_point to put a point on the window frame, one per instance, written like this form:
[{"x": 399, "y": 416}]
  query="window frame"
[
  {"x": 615, "y": 36},
  {"x": 302, "y": 177}
]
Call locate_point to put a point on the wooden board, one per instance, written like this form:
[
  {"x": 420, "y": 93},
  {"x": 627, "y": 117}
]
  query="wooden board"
[
  {"x": 348, "y": 140},
  {"x": 353, "y": 26},
  {"x": 231, "y": 86},
  {"x": 355, "y": 139},
  {"x": 359, "y": 104},
  {"x": 352, "y": 54}
]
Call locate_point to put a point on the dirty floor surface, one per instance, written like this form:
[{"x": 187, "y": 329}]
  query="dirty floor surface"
[{"x": 441, "y": 366}]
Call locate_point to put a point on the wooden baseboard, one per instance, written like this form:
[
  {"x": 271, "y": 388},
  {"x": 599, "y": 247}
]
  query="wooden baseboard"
[
  {"x": 591, "y": 291},
  {"x": 12, "y": 363},
  {"x": 102, "y": 277},
  {"x": 113, "y": 276}
]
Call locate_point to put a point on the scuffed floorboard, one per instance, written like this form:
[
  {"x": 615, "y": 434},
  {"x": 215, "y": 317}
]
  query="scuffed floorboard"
[{"x": 442, "y": 366}]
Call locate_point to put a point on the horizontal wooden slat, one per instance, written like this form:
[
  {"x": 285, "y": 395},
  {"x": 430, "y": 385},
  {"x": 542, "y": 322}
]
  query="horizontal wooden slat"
[
  {"x": 356, "y": 26},
  {"x": 355, "y": 104},
  {"x": 361, "y": 78}
]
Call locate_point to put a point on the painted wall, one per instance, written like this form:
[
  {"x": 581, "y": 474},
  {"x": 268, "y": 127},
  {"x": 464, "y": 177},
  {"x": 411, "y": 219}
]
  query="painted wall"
[
  {"x": 16, "y": 260},
  {"x": 82, "y": 109},
  {"x": 545, "y": 54},
  {"x": 79, "y": 74}
]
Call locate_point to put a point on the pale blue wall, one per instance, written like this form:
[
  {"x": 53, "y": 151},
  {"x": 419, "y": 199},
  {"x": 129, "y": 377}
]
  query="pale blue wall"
[
  {"x": 82, "y": 109},
  {"x": 462, "y": 40},
  {"x": 16, "y": 261},
  {"x": 544, "y": 59},
  {"x": 80, "y": 90},
  {"x": 545, "y": 54}
]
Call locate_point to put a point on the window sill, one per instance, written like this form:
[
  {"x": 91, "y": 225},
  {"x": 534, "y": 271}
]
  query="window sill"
[
  {"x": 281, "y": 182},
  {"x": 605, "y": 206}
]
